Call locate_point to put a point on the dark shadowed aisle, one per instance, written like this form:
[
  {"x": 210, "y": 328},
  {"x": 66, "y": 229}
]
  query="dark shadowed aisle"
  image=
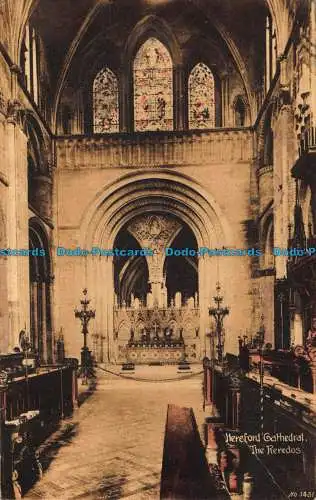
[{"x": 116, "y": 448}]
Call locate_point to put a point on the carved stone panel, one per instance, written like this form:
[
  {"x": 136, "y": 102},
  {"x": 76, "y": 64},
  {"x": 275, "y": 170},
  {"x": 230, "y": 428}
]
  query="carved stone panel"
[{"x": 155, "y": 232}]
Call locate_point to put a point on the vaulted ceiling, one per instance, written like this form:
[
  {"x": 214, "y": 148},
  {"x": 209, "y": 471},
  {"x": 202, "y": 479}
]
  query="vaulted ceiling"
[{"x": 63, "y": 23}]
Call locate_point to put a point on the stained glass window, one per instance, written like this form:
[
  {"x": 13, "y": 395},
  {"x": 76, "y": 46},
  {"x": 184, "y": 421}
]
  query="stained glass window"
[
  {"x": 201, "y": 97},
  {"x": 105, "y": 102},
  {"x": 153, "y": 90}
]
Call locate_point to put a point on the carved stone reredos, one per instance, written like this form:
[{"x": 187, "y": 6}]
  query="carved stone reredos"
[{"x": 155, "y": 232}]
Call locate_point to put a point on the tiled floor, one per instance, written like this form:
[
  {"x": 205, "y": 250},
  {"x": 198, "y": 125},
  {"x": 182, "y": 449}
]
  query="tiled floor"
[{"x": 114, "y": 445}]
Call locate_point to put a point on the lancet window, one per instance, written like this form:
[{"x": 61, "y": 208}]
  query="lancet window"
[
  {"x": 153, "y": 87},
  {"x": 201, "y": 88},
  {"x": 30, "y": 61},
  {"x": 105, "y": 102}
]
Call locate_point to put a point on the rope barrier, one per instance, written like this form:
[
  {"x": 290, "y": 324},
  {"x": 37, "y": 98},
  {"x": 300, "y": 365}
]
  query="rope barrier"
[{"x": 139, "y": 379}]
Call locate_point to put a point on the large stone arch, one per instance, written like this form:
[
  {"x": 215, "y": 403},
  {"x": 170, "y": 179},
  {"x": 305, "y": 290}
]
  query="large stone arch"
[{"x": 138, "y": 193}]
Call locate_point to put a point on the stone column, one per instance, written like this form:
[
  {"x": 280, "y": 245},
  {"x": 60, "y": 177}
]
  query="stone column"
[
  {"x": 3, "y": 300},
  {"x": 283, "y": 158},
  {"x": 180, "y": 100},
  {"x": 297, "y": 338},
  {"x": 207, "y": 286},
  {"x": 313, "y": 55},
  {"x": 3, "y": 442},
  {"x": 39, "y": 332},
  {"x": 41, "y": 195},
  {"x": 225, "y": 112},
  {"x": 268, "y": 55},
  {"x": 108, "y": 342},
  {"x": 49, "y": 319},
  {"x": 44, "y": 322},
  {"x": 17, "y": 225},
  {"x": 4, "y": 319},
  {"x": 126, "y": 100},
  {"x": 34, "y": 319}
]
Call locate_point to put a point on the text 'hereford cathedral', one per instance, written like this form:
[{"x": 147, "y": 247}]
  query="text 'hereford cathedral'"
[{"x": 158, "y": 243}]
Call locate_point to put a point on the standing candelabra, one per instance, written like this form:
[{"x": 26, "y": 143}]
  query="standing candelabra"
[
  {"x": 260, "y": 337},
  {"x": 86, "y": 369},
  {"x": 218, "y": 313},
  {"x": 26, "y": 346}
]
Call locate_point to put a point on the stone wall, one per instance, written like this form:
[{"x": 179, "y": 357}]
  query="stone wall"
[{"x": 215, "y": 165}]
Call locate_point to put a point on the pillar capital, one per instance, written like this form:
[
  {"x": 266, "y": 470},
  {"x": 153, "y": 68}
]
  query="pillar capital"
[{"x": 16, "y": 113}]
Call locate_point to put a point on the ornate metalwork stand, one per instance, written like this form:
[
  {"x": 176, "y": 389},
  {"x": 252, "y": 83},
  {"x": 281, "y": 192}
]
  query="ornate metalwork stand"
[
  {"x": 260, "y": 336},
  {"x": 219, "y": 312},
  {"x": 26, "y": 347},
  {"x": 86, "y": 368}
]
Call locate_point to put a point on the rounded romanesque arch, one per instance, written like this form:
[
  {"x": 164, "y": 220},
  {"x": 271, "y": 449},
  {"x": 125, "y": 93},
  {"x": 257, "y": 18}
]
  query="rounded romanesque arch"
[
  {"x": 165, "y": 195},
  {"x": 145, "y": 192}
]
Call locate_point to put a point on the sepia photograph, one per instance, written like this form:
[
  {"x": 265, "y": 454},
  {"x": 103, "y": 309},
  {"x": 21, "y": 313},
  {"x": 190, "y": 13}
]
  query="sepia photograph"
[{"x": 157, "y": 249}]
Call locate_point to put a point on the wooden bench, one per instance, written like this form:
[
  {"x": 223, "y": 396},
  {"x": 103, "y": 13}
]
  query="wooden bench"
[{"x": 185, "y": 472}]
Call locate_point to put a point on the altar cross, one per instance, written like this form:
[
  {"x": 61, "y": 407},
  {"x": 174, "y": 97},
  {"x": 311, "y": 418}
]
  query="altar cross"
[{"x": 155, "y": 326}]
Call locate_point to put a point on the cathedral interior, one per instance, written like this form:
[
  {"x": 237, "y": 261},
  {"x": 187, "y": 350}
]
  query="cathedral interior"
[{"x": 159, "y": 155}]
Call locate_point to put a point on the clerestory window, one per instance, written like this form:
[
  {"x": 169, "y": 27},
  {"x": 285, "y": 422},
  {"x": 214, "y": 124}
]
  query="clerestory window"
[
  {"x": 153, "y": 87},
  {"x": 105, "y": 102},
  {"x": 201, "y": 87}
]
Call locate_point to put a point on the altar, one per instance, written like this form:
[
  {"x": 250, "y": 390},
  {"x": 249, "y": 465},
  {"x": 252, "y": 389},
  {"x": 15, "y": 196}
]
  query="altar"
[
  {"x": 164, "y": 353},
  {"x": 156, "y": 335}
]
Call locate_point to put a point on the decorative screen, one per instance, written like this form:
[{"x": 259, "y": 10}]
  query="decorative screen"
[
  {"x": 105, "y": 102},
  {"x": 201, "y": 97},
  {"x": 153, "y": 89}
]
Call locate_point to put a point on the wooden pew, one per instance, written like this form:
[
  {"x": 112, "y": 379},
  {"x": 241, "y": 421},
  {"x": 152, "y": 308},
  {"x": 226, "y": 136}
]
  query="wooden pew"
[{"x": 185, "y": 473}]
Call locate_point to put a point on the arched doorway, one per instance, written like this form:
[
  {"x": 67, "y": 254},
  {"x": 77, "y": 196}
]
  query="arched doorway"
[
  {"x": 40, "y": 292},
  {"x": 156, "y": 313},
  {"x": 166, "y": 203}
]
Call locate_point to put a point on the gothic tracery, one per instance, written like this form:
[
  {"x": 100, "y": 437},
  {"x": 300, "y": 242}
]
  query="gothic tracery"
[
  {"x": 105, "y": 102},
  {"x": 201, "y": 97},
  {"x": 153, "y": 87}
]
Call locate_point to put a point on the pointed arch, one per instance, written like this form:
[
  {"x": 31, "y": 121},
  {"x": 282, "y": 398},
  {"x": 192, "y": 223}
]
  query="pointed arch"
[
  {"x": 156, "y": 27},
  {"x": 201, "y": 98},
  {"x": 240, "y": 110},
  {"x": 153, "y": 87}
]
